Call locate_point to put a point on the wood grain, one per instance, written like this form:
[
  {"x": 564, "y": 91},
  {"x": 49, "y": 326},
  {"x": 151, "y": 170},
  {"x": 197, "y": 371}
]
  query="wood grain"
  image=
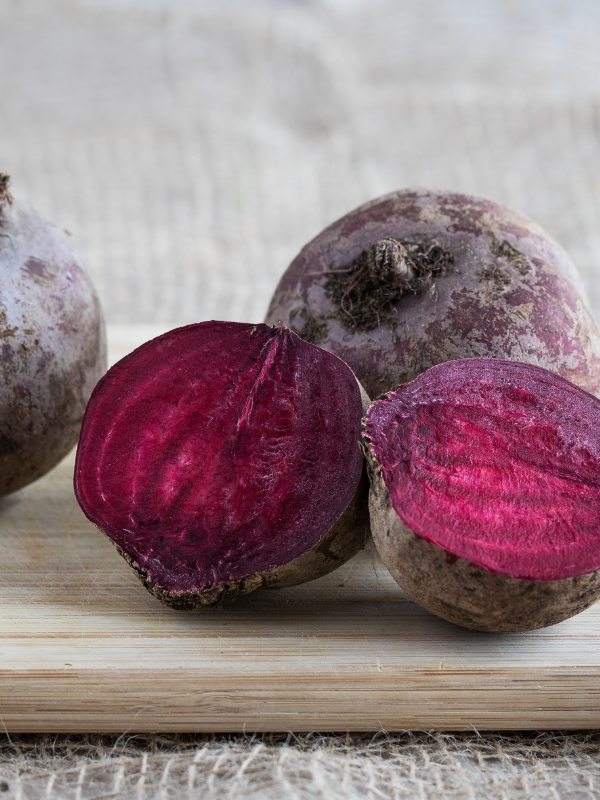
[{"x": 83, "y": 647}]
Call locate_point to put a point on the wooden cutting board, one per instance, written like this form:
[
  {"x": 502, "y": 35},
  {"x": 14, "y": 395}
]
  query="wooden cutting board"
[{"x": 84, "y": 647}]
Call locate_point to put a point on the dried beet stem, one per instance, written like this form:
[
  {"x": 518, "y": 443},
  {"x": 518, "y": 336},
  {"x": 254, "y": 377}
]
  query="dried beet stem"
[
  {"x": 365, "y": 293},
  {"x": 5, "y": 195}
]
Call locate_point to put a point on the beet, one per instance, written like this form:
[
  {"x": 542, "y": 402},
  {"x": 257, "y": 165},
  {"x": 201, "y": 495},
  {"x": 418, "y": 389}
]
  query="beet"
[
  {"x": 224, "y": 457},
  {"x": 52, "y": 344},
  {"x": 485, "y": 498},
  {"x": 417, "y": 278}
]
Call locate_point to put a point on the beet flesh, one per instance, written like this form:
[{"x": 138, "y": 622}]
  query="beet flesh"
[
  {"x": 224, "y": 457},
  {"x": 52, "y": 344},
  {"x": 417, "y": 278},
  {"x": 485, "y": 500}
]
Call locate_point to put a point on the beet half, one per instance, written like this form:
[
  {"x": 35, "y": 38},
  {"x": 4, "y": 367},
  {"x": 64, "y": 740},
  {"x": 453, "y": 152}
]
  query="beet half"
[
  {"x": 52, "y": 344},
  {"x": 485, "y": 496},
  {"x": 224, "y": 457},
  {"x": 417, "y": 278}
]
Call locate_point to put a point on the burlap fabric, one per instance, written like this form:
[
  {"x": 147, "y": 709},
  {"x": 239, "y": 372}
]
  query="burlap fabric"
[
  {"x": 192, "y": 149},
  {"x": 310, "y": 767}
]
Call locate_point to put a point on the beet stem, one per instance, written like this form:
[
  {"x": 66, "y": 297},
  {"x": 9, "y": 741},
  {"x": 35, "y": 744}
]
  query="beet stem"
[{"x": 5, "y": 195}]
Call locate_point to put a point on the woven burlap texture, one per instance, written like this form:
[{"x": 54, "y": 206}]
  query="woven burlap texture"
[
  {"x": 308, "y": 767},
  {"x": 192, "y": 149}
]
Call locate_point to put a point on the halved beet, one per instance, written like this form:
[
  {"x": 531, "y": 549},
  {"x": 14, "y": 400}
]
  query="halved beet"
[
  {"x": 222, "y": 458},
  {"x": 485, "y": 498}
]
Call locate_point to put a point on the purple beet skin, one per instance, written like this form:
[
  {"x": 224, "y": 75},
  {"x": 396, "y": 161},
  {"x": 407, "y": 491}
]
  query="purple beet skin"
[
  {"x": 52, "y": 344},
  {"x": 485, "y": 500},
  {"x": 417, "y": 278},
  {"x": 224, "y": 457}
]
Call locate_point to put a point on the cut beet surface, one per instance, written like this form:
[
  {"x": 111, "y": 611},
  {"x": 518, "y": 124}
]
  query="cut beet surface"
[
  {"x": 485, "y": 503},
  {"x": 223, "y": 457}
]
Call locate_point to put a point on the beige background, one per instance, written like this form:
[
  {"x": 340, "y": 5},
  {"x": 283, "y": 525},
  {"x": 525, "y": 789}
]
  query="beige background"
[{"x": 193, "y": 148}]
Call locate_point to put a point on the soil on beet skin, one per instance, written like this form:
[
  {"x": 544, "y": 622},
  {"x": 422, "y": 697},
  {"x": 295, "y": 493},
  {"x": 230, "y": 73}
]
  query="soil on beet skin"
[{"x": 417, "y": 278}]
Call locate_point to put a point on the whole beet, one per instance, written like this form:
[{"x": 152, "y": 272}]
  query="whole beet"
[
  {"x": 418, "y": 278},
  {"x": 52, "y": 344}
]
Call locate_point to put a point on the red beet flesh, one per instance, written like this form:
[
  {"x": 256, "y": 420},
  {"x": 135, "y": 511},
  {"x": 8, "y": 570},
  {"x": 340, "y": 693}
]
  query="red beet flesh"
[
  {"x": 218, "y": 451},
  {"x": 496, "y": 462}
]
